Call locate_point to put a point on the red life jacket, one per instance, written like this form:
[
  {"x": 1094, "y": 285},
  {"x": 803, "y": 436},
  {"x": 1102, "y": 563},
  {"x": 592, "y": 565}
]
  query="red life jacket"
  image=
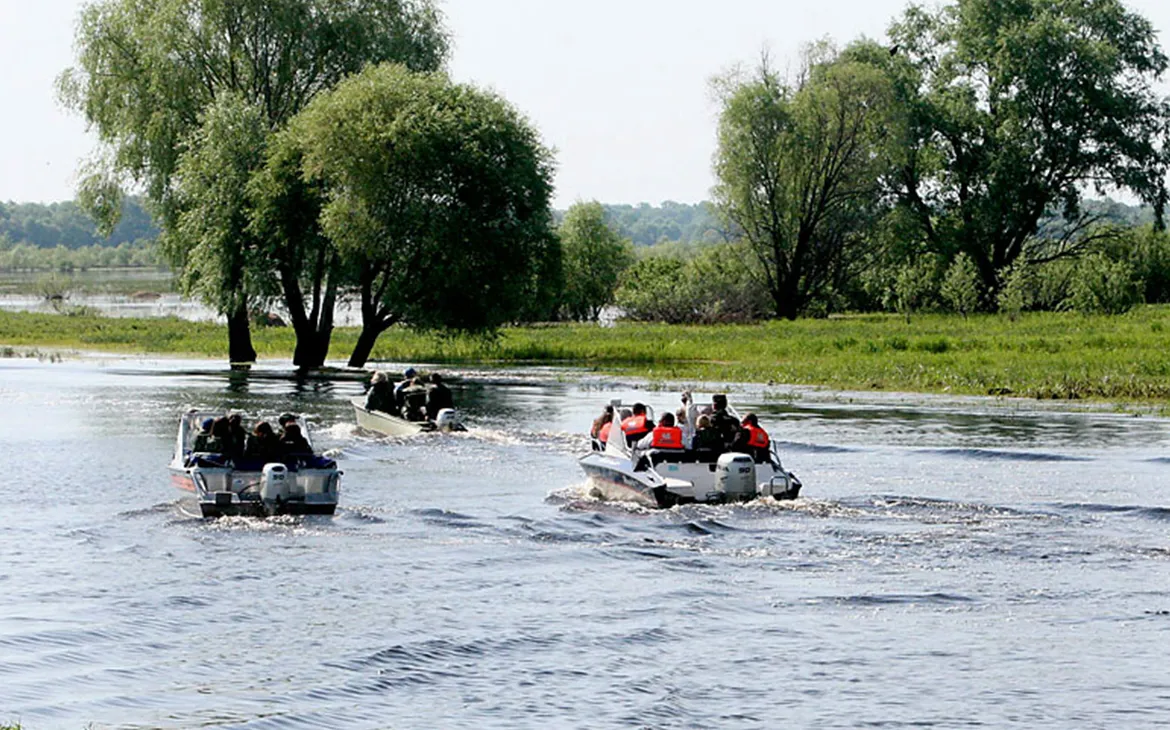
[
  {"x": 635, "y": 427},
  {"x": 667, "y": 437},
  {"x": 757, "y": 437},
  {"x": 603, "y": 434}
]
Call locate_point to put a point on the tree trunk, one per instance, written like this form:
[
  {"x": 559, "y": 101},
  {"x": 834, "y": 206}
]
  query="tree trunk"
[
  {"x": 240, "y": 337},
  {"x": 315, "y": 331},
  {"x": 365, "y": 345},
  {"x": 309, "y": 353}
]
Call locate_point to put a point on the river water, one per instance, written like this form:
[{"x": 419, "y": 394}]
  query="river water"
[{"x": 951, "y": 563}]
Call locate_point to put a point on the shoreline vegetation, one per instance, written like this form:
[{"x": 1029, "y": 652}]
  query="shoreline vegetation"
[{"x": 1040, "y": 355}]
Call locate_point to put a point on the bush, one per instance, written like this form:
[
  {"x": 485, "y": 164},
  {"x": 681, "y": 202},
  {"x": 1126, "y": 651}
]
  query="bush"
[
  {"x": 716, "y": 286},
  {"x": 726, "y": 287},
  {"x": 652, "y": 291},
  {"x": 1017, "y": 293},
  {"x": 915, "y": 286},
  {"x": 1102, "y": 286},
  {"x": 1050, "y": 284},
  {"x": 960, "y": 287},
  {"x": 1149, "y": 255}
]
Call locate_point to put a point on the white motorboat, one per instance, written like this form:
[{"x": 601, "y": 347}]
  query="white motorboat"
[
  {"x": 298, "y": 484},
  {"x": 661, "y": 478},
  {"x": 391, "y": 425}
]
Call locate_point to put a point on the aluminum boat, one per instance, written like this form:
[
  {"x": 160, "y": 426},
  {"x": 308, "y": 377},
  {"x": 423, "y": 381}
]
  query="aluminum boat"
[
  {"x": 223, "y": 486},
  {"x": 660, "y": 478},
  {"x": 391, "y": 425}
]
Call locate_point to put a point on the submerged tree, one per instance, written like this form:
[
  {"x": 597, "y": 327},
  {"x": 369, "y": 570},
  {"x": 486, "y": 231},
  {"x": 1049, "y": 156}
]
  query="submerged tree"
[
  {"x": 209, "y": 236},
  {"x": 797, "y": 171},
  {"x": 1011, "y": 110},
  {"x": 594, "y": 258},
  {"x": 437, "y": 198},
  {"x": 147, "y": 70}
]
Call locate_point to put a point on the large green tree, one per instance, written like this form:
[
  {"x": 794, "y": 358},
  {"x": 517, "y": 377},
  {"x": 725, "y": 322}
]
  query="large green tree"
[
  {"x": 797, "y": 171},
  {"x": 1011, "y": 110},
  {"x": 436, "y": 197},
  {"x": 210, "y": 233},
  {"x": 594, "y": 258},
  {"x": 147, "y": 70}
]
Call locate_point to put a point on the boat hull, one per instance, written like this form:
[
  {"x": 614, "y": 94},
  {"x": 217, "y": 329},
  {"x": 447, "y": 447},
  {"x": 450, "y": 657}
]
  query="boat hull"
[
  {"x": 388, "y": 425},
  {"x": 229, "y": 493},
  {"x": 669, "y": 485}
]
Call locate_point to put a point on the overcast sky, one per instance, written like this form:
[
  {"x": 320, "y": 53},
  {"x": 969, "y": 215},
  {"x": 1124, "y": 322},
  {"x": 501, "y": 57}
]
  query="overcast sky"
[{"x": 618, "y": 87}]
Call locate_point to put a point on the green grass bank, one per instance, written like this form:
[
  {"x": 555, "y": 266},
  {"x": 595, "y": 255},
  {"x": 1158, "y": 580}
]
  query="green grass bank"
[{"x": 1041, "y": 355}]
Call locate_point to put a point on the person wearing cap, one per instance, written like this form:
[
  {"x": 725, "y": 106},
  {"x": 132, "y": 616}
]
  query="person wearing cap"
[
  {"x": 407, "y": 376},
  {"x": 381, "y": 394},
  {"x": 204, "y": 441}
]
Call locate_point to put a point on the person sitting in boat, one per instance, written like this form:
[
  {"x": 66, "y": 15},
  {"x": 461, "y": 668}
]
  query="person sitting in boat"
[
  {"x": 752, "y": 439},
  {"x": 725, "y": 424},
  {"x": 666, "y": 436},
  {"x": 637, "y": 425},
  {"x": 380, "y": 397},
  {"x": 263, "y": 444},
  {"x": 599, "y": 423},
  {"x": 205, "y": 442},
  {"x": 706, "y": 438},
  {"x": 603, "y": 433},
  {"x": 239, "y": 437},
  {"x": 438, "y": 397},
  {"x": 293, "y": 442},
  {"x": 414, "y": 401},
  {"x": 401, "y": 386}
]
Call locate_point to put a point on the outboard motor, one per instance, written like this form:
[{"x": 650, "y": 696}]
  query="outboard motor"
[
  {"x": 274, "y": 486},
  {"x": 735, "y": 477},
  {"x": 448, "y": 420}
]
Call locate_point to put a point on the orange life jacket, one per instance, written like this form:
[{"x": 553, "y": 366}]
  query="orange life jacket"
[
  {"x": 635, "y": 426},
  {"x": 603, "y": 434},
  {"x": 757, "y": 437},
  {"x": 666, "y": 437}
]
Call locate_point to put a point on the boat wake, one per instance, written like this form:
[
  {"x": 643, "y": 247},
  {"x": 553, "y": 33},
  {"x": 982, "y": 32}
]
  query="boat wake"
[{"x": 584, "y": 497}]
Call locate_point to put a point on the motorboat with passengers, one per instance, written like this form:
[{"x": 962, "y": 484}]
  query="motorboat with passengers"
[
  {"x": 668, "y": 477},
  {"x": 389, "y": 424},
  {"x": 407, "y": 408},
  {"x": 224, "y": 485}
]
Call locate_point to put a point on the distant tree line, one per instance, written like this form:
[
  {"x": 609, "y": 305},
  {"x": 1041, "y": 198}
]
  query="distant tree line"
[
  {"x": 26, "y": 257},
  {"x": 646, "y": 225},
  {"x": 67, "y": 224}
]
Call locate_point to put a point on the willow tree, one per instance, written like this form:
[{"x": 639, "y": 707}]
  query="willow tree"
[
  {"x": 1013, "y": 110},
  {"x": 797, "y": 171},
  {"x": 437, "y": 198},
  {"x": 594, "y": 258},
  {"x": 148, "y": 70}
]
